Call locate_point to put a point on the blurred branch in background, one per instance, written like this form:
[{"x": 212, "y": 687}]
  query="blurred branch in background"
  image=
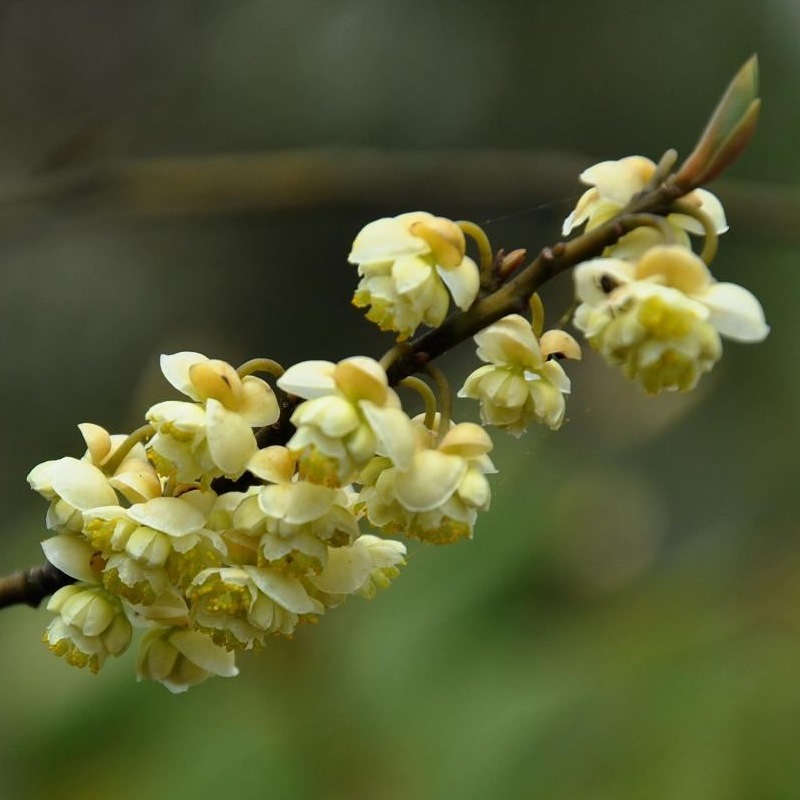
[{"x": 290, "y": 180}]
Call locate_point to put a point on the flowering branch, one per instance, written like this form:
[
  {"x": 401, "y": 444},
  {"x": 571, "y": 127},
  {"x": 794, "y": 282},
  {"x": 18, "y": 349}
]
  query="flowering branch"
[{"x": 237, "y": 514}]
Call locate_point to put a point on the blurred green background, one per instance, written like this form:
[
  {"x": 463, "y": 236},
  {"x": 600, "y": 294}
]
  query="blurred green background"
[{"x": 626, "y": 622}]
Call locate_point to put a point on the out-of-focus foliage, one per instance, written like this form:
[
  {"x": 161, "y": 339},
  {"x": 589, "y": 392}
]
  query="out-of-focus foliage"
[{"x": 625, "y": 623}]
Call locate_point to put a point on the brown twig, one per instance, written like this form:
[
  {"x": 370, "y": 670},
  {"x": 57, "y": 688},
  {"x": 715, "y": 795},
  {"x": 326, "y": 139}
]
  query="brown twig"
[{"x": 31, "y": 586}]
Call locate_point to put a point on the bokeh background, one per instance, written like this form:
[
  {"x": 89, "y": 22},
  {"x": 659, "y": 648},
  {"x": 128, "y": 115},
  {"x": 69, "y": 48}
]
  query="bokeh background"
[{"x": 626, "y": 622}]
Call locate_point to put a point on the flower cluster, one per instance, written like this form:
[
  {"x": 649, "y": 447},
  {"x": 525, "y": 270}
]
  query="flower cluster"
[
  {"x": 144, "y": 526},
  {"x": 156, "y": 537},
  {"x": 650, "y": 304}
]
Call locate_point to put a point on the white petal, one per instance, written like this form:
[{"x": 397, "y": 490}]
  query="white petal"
[
  {"x": 346, "y": 571},
  {"x": 581, "y": 212},
  {"x": 98, "y": 441},
  {"x": 40, "y": 478},
  {"x": 618, "y": 181},
  {"x": 509, "y": 341},
  {"x": 168, "y": 514},
  {"x": 187, "y": 416},
  {"x": 388, "y": 238},
  {"x": 71, "y": 555},
  {"x": 231, "y": 441},
  {"x": 410, "y": 274},
  {"x": 82, "y": 484},
  {"x": 463, "y": 281},
  {"x": 258, "y": 405},
  {"x": 735, "y": 312},
  {"x": 200, "y": 650},
  {"x": 285, "y": 590},
  {"x": 296, "y": 503},
  {"x": 431, "y": 480},
  {"x": 393, "y": 430},
  {"x": 176, "y": 370},
  {"x": 308, "y": 379},
  {"x": 332, "y": 414},
  {"x": 709, "y": 204}
]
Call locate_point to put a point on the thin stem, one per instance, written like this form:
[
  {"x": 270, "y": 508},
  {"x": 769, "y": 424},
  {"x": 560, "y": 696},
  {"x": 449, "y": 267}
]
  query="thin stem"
[
  {"x": 393, "y": 354},
  {"x": 266, "y": 365},
  {"x": 633, "y": 221},
  {"x": 425, "y": 391},
  {"x": 711, "y": 241},
  {"x": 139, "y": 435},
  {"x": 478, "y": 235},
  {"x": 445, "y": 399}
]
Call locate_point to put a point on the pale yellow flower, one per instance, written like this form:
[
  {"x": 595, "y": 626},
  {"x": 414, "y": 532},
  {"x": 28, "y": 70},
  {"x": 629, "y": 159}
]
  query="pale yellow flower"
[
  {"x": 239, "y": 606},
  {"x": 72, "y": 487},
  {"x": 180, "y": 658},
  {"x": 522, "y": 380},
  {"x": 90, "y": 626},
  {"x": 350, "y": 414},
  {"x": 613, "y": 185},
  {"x": 408, "y": 264},
  {"x": 214, "y": 435},
  {"x": 368, "y": 564},
  {"x": 437, "y": 498},
  {"x": 661, "y": 317},
  {"x": 155, "y": 545},
  {"x": 295, "y": 523}
]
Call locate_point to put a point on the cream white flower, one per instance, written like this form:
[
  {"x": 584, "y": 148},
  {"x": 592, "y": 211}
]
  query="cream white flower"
[
  {"x": 73, "y": 487},
  {"x": 368, "y": 564},
  {"x": 155, "y": 545},
  {"x": 661, "y": 317},
  {"x": 405, "y": 263},
  {"x": 214, "y": 435},
  {"x": 91, "y": 625},
  {"x": 239, "y": 606},
  {"x": 350, "y": 414},
  {"x": 522, "y": 380},
  {"x": 296, "y": 523},
  {"x": 179, "y": 658},
  {"x": 613, "y": 185},
  {"x": 437, "y": 498}
]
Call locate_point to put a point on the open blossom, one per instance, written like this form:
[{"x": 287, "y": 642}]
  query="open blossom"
[
  {"x": 154, "y": 546},
  {"x": 90, "y": 626},
  {"x": 614, "y": 183},
  {"x": 295, "y": 523},
  {"x": 180, "y": 658},
  {"x": 408, "y": 264},
  {"x": 438, "y": 497},
  {"x": 661, "y": 317},
  {"x": 368, "y": 564},
  {"x": 73, "y": 487},
  {"x": 350, "y": 414},
  {"x": 239, "y": 606},
  {"x": 213, "y": 435},
  {"x": 522, "y": 381}
]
